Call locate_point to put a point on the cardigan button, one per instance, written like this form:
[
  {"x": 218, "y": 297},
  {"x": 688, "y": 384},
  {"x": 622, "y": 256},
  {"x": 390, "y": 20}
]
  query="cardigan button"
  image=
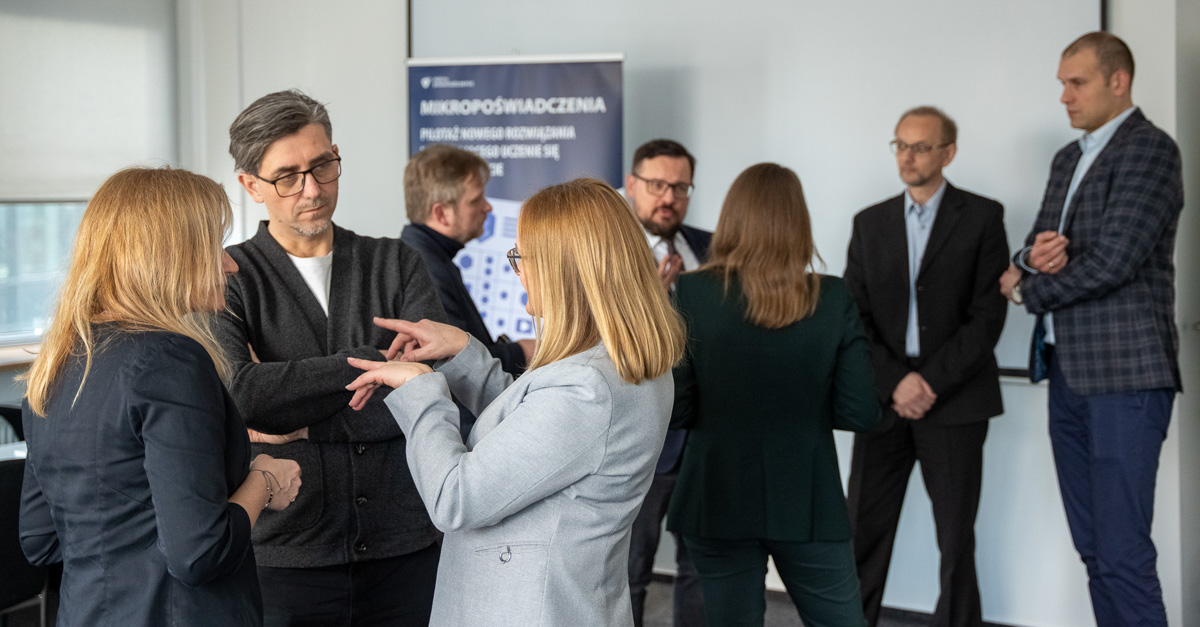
[
  {"x": 362, "y": 500},
  {"x": 360, "y": 449},
  {"x": 360, "y": 548}
]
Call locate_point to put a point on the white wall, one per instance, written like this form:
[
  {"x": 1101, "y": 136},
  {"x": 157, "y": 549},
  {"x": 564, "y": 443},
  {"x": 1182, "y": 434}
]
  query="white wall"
[{"x": 348, "y": 55}]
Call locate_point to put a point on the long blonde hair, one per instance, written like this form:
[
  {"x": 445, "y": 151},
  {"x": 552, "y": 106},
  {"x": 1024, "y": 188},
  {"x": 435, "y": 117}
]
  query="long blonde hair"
[
  {"x": 147, "y": 256},
  {"x": 764, "y": 238},
  {"x": 592, "y": 276}
]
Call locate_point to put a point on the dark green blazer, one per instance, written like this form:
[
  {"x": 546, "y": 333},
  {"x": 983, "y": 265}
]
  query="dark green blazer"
[{"x": 762, "y": 405}]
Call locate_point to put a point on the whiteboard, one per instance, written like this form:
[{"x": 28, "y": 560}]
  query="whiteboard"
[{"x": 815, "y": 86}]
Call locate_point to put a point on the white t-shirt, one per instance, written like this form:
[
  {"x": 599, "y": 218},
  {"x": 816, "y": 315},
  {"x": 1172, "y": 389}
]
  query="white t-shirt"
[{"x": 316, "y": 272}]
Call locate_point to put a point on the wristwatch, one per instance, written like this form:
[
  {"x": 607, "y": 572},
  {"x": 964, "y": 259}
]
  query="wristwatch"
[{"x": 1015, "y": 294}]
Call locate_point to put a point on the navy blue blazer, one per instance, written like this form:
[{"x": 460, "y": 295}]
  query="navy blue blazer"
[
  {"x": 1114, "y": 301},
  {"x": 129, "y": 484},
  {"x": 437, "y": 251}
]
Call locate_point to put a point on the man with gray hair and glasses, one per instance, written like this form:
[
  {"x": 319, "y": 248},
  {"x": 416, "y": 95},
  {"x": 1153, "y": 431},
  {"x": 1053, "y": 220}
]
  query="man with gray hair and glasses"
[{"x": 357, "y": 547}]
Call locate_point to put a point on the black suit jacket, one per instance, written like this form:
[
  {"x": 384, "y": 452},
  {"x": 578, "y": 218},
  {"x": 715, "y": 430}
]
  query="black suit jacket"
[
  {"x": 460, "y": 308},
  {"x": 959, "y": 306},
  {"x": 699, "y": 240}
]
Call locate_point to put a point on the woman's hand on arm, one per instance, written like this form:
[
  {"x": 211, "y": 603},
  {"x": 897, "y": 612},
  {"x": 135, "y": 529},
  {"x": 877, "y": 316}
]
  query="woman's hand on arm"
[
  {"x": 271, "y": 483},
  {"x": 424, "y": 340},
  {"x": 390, "y": 373}
]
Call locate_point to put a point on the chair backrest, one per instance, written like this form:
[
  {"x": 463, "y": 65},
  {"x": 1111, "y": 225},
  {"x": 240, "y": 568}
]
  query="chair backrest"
[
  {"x": 22, "y": 581},
  {"x": 12, "y": 413}
]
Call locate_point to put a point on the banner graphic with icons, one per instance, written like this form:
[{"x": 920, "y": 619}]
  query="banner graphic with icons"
[{"x": 537, "y": 121}]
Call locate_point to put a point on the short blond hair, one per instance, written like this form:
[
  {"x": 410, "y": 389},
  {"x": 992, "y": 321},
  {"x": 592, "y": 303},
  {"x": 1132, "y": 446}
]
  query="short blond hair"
[
  {"x": 439, "y": 174},
  {"x": 147, "y": 256},
  {"x": 594, "y": 279}
]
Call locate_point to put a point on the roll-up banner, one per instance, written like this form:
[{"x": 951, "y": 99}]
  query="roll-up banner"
[{"x": 537, "y": 121}]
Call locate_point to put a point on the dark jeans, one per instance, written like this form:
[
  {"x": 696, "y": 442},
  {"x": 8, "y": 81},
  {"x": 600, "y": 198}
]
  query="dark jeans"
[
  {"x": 1106, "y": 449},
  {"x": 951, "y": 459},
  {"x": 393, "y": 592},
  {"x": 643, "y": 544},
  {"x": 819, "y": 576}
]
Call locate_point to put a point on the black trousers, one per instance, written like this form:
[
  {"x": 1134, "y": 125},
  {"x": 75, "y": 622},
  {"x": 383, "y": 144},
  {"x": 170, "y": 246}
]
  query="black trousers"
[
  {"x": 391, "y": 592},
  {"x": 951, "y": 459}
]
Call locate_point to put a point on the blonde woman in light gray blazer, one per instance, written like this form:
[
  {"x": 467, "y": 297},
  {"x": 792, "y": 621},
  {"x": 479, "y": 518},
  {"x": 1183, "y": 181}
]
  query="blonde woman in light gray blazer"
[{"x": 537, "y": 505}]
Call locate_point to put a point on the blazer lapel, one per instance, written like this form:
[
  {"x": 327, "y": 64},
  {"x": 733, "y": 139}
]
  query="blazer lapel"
[
  {"x": 943, "y": 225},
  {"x": 1100, "y": 167}
]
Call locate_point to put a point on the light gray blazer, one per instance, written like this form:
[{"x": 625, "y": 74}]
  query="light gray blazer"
[{"x": 538, "y": 504}]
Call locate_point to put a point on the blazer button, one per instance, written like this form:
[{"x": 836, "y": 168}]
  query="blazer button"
[
  {"x": 360, "y": 548},
  {"x": 360, "y": 449},
  {"x": 362, "y": 500},
  {"x": 924, "y": 328}
]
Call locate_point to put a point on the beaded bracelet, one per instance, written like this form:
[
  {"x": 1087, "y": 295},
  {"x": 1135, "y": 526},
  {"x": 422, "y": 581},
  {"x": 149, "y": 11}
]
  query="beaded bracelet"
[{"x": 267, "y": 476}]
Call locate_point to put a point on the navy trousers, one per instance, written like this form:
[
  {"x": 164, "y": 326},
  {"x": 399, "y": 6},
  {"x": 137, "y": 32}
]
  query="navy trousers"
[{"x": 1106, "y": 449}]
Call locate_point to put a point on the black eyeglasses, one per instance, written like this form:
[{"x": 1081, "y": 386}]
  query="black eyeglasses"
[
  {"x": 292, "y": 184},
  {"x": 918, "y": 148},
  {"x": 514, "y": 260},
  {"x": 658, "y": 187}
]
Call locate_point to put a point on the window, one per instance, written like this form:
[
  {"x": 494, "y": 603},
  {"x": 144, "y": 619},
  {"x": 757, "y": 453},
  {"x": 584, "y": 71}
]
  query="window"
[
  {"x": 35, "y": 243},
  {"x": 87, "y": 88}
]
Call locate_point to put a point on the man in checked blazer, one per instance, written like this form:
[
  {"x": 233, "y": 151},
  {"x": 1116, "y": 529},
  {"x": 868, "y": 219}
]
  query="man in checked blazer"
[
  {"x": 1098, "y": 272},
  {"x": 922, "y": 267}
]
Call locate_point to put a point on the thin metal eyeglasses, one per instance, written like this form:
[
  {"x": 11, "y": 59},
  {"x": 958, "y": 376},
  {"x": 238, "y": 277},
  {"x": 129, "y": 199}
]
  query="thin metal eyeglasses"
[
  {"x": 658, "y": 187},
  {"x": 514, "y": 260},
  {"x": 292, "y": 184},
  {"x": 918, "y": 148}
]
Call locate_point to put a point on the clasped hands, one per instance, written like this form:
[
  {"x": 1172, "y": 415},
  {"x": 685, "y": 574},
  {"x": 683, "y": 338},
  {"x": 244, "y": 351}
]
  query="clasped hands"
[
  {"x": 913, "y": 397},
  {"x": 415, "y": 342}
]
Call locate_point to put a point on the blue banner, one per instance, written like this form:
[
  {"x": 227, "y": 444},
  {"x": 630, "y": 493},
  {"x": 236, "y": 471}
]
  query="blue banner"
[{"x": 536, "y": 124}]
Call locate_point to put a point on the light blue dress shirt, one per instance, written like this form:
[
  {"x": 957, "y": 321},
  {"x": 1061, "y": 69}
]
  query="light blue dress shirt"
[
  {"x": 918, "y": 222},
  {"x": 1092, "y": 144}
]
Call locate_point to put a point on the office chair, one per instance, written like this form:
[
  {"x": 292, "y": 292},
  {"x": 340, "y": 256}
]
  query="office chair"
[
  {"x": 12, "y": 413},
  {"x": 24, "y": 585}
]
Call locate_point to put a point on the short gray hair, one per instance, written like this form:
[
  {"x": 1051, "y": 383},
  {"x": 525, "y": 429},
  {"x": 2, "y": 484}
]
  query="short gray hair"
[{"x": 269, "y": 118}]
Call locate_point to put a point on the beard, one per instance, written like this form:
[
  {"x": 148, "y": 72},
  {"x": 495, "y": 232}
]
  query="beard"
[
  {"x": 313, "y": 229},
  {"x": 654, "y": 228}
]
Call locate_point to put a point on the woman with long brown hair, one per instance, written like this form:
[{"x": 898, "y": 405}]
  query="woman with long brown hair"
[
  {"x": 138, "y": 476},
  {"x": 776, "y": 360},
  {"x": 537, "y": 506}
]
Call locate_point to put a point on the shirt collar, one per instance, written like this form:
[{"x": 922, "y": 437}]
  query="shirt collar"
[
  {"x": 933, "y": 203},
  {"x": 1098, "y": 139},
  {"x": 448, "y": 244}
]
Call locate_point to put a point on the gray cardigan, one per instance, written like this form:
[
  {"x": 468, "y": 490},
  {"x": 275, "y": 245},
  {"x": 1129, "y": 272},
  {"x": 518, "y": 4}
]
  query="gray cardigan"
[
  {"x": 538, "y": 504},
  {"x": 358, "y": 501}
]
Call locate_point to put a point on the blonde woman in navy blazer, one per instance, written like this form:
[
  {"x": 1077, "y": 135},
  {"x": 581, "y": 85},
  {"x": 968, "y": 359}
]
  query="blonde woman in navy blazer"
[
  {"x": 139, "y": 476},
  {"x": 538, "y": 504}
]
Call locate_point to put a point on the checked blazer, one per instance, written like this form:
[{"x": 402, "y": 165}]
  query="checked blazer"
[{"x": 1114, "y": 301}]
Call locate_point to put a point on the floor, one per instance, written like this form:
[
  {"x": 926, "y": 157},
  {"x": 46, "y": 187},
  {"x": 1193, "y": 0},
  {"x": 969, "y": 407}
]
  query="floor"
[{"x": 780, "y": 611}]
